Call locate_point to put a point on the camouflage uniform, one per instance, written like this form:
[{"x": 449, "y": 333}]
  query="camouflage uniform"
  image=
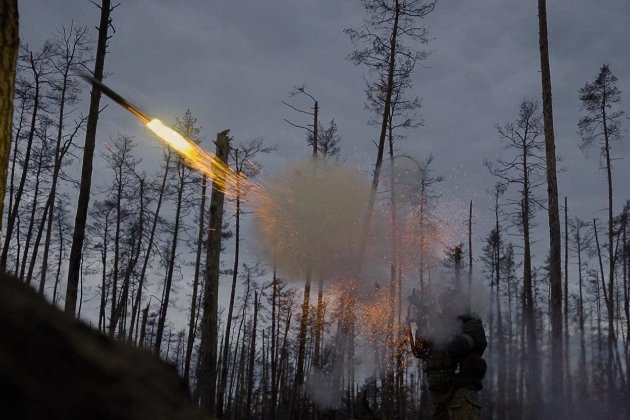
[{"x": 455, "y": 371}]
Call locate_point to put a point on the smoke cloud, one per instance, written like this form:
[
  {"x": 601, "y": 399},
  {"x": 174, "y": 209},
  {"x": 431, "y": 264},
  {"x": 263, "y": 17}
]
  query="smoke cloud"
[{"x": 311, "y": 216}]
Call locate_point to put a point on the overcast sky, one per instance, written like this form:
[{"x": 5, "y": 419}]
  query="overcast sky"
[{"x": 232, "y": 62}]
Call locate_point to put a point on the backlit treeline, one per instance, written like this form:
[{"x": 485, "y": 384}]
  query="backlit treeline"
[{"x": 157, "y": 259}]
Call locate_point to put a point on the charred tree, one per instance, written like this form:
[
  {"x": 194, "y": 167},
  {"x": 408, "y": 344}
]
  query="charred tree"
[{"x": 207, "y": 381}]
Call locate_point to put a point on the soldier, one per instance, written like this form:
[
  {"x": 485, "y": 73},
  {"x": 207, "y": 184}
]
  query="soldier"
[{"x": 453, "y": 364}]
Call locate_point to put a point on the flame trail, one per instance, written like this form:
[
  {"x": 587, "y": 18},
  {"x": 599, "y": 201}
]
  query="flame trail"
[
  {"x": 222, "y": 176},
  {"x": 220, "y": 173}
]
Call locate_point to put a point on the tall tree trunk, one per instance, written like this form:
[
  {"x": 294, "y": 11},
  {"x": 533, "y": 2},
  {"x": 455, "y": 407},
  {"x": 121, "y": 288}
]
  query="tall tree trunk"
[
  {"x": 143, "y": 328},
  {"x": 101, "y": 314},
  {"x": 319, "y": 324},
  {"x": 281, "y": 384},
  {"x": 470, "y": 255},
  {"x": 171, "y": 261},
  {"x": 47, "y": 217},
  {"x": 626, "y": 288},
  {"x": 31, "y": 223},
  {"x": 390, "y": 390},
  {"x": 299, "y": 375},
  {"x": 61, "y": 147},
  {"x": 209, "y": 323},
  {"x": 131, "y": 265},
  {"x": 237, "y": 366},
  {"x": 193, "y": 304},
  {"x": 555, "y": 271},
  {"x": 18, "y": 133},
  {"x": 59, "y": 258},
  {"x": 138, "y": 300},
  {"x": 391, "y": 67},
  {"x": 611, "y": 256},
  {"x": 275, "y": 330},
  {"x": 299, "y": 372},
  {"x": 421, "y": 235},
  {"x": 38, "y": 238},
  {"x": 534, "y": 383},
  {"x": 78, "y": 236},
  {"x": 501, "y": 357},
  {"x": 264, "y": 377},
  {"x": 566, "y": 355},
  {"x": 601, "y": 264},
  {"x": 582, "y": 364},
  {"x": 228, "y": 325},
  {"x": 252, "y": 357},
  {"x": 119, "y": 190},
  {"x": 9, "y": 44}
]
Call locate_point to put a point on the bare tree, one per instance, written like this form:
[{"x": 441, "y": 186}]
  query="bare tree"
[
  {"x": 70, "y": 53},
  {"x": 493, "y": 257},
  {"x": 524, "y": 168},
  {"x": 187, "y": 126},
  {"x": 99, "y": 227},
  {"x": 21, "y": 102},
  {"x": 252, "y": 355},
  {"x": 43, "y": 158},
  {"x": 135, "y": 312},
  {"x": 312, "y": 130},
  {"x": 243, "y": 158},
  {"x": 580, "y": 245},
  {"x": 194, "y": 307},
  {"x": 389, "y": 23},
  {"x": 602, "y": 125},
  {"x": 62, "y": 230},
  {"x": 39, "y": 67},
  {"x": 83, "y": 201},
  {"x": 328, "y": 139},
  {"x": 122, "y": 164},
  {"x": 382, "y": 50}
]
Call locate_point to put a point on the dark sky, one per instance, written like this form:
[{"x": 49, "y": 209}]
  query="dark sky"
[{"x": 232, "y": 62}]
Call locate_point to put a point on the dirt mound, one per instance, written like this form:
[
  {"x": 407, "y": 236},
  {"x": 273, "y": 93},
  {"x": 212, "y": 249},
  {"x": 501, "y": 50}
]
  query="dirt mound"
[{"x": 53, "y": 366}]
